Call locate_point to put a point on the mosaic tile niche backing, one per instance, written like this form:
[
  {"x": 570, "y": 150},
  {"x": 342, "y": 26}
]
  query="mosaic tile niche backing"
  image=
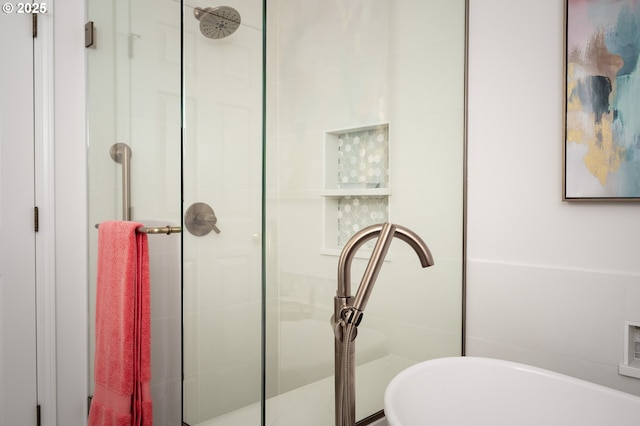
[
  {"x": 355, "y": 213},
  {"x": 363, "y": 159},
  {"x": 363, "y": 164}
]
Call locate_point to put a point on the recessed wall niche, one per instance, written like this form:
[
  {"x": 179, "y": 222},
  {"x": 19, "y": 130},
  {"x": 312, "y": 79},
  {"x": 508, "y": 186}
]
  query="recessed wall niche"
[{"x": 356, "y": 182}]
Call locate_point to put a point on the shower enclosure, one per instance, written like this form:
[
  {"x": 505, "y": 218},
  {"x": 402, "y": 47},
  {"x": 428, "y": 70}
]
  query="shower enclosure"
[{"x": 297, "y": 123}]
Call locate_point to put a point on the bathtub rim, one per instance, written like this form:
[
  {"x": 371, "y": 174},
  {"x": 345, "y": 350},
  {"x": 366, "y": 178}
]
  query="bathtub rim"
[{"x": 392, "y": 417}]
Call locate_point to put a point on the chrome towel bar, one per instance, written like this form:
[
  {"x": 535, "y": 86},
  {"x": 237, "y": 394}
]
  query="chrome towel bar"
[{"x": 168, "y": 230}]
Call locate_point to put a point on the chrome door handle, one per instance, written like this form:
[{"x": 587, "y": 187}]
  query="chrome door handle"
[{"x": 200, "y": 219}]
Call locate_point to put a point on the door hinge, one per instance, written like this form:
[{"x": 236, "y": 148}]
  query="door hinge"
[
  {"x": 38, "y": 415},
  {"x": 88, "y": 34},
  {"x": 34, "y": 25},
  {"x": 36, "y": 219}
]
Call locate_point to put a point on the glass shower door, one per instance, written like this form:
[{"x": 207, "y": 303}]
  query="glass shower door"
[
  {"x": 187, "y": 101},
  {"x": 134, "y": 98},
  {"x": 222, "y": 169}
]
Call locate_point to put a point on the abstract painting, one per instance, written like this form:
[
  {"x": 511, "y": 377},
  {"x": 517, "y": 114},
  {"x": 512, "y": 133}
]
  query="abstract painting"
[{"x": 602, "y": 104}]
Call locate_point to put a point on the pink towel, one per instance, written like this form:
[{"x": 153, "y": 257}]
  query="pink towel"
[{"x": 122, "y": 371}]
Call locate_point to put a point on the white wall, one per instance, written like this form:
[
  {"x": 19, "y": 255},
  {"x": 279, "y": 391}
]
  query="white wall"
[{"x": 549, "y": 283}]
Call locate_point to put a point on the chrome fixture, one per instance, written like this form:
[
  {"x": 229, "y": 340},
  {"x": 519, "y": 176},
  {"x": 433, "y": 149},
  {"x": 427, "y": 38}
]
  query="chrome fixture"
[
  {"x": 217, "y": 22},
  {"x": 121, "y": 154},
  {"x": 348, "y": 310},
  {"x": 168, "y": 230},
  {"x": 200, "y": 219}
]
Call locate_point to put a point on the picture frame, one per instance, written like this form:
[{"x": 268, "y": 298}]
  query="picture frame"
[{"x": 601, "y": 156}]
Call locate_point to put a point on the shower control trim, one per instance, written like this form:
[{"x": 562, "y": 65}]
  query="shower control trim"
[{"x": 200, "y": 219}]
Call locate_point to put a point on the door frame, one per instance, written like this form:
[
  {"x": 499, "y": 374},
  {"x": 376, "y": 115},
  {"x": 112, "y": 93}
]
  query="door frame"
[{"x": 45, "y": 237}]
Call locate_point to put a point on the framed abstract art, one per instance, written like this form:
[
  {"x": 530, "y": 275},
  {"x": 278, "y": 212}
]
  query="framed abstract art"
[{"x": 602, "y": 100}]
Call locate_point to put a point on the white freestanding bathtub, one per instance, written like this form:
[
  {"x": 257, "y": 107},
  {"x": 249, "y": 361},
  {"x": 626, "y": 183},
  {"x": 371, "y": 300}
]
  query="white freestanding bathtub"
[{"x": 482, "y": 391}]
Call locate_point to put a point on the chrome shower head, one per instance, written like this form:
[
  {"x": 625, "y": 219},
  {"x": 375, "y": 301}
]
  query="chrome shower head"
[{"x": 217, "y": 22}]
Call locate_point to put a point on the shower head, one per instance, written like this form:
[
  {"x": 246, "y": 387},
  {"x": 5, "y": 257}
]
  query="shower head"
[{"x": 217, "y": 22}]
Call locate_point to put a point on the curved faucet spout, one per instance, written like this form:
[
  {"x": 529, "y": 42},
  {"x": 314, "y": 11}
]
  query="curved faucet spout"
[
  {"x": 419, "y": 246},
  {"x": 385, "y": 233}
]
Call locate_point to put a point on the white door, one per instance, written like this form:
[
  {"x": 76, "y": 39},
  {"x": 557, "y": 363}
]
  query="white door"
[{"x": 18, "y": 398}]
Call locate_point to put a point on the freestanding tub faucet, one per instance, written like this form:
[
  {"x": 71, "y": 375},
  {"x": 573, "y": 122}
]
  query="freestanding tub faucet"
[{"x": 348, "y": 310}]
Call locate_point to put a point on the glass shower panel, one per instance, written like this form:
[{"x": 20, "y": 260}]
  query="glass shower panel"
[
  {"x": 365, "y": 114},
  {"x": 222, "y": 168},
  {"x": 134, "y": 98}
]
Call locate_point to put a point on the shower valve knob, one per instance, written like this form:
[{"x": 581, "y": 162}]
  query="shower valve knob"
[{"x": 200, "y": 219}]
